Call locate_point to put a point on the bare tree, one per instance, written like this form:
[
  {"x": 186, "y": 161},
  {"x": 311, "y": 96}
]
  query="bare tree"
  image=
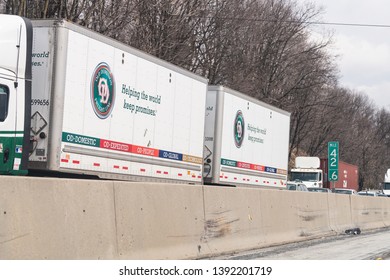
[{"x": 108, "y": 17}]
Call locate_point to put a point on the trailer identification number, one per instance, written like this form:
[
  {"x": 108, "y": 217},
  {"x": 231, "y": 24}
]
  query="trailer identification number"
[{"x": 40, "y": 102}]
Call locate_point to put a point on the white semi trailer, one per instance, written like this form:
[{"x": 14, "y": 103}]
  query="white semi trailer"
[
  {"x": 246, "y": 140},
  {"x": 74, "y": 101}
]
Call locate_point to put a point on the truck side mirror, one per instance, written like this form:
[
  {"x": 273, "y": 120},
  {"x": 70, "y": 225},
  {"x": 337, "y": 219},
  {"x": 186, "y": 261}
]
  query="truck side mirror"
[{"x": 3, "y": 106}]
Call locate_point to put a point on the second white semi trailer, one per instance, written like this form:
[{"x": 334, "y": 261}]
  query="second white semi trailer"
[{"x": 246, "y": 140}]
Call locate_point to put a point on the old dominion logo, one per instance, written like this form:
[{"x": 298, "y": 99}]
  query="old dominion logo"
[
  {"x": 239, "y": 129},
  {"x": 102, "y": 90}
]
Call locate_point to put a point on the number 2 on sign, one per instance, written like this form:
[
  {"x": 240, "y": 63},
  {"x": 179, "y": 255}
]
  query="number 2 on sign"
[{"x": 333, "y": 162}]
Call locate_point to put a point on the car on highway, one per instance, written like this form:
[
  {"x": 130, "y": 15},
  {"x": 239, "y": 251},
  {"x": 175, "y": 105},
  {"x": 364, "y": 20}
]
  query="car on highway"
[
  {"x": 316, "y": 189},
  {"x": 345, "y": 191},
  {"x": 368, "y": 193},
  {"x": 296, "y": 186}
]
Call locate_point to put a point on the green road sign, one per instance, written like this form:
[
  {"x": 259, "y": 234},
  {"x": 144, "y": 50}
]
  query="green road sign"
[{"x": 333, "y": 161}]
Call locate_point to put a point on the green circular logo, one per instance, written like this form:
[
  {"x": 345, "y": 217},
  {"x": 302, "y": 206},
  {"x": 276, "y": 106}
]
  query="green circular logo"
[
  {"x": 239, "y": 129},
  {"x": 102, "y": 90}
]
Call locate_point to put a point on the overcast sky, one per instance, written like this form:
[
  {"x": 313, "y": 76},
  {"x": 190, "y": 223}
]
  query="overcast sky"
[{"x": 364, "y": 52}]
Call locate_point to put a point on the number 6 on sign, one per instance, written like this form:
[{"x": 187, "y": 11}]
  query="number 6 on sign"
[{"x": 334, "y": 175}]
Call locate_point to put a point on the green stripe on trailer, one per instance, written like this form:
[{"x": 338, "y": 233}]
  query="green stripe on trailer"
[
  {"x": 80, "y": 139},
  {"x": 11, "y": 133}
]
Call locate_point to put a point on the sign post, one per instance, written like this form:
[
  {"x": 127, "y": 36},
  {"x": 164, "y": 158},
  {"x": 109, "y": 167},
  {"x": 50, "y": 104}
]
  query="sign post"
[{"x": 333, "y": 162}]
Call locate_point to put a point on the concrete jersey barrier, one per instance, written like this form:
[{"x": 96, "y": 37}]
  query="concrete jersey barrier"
[{"x": 48, "y": 218}]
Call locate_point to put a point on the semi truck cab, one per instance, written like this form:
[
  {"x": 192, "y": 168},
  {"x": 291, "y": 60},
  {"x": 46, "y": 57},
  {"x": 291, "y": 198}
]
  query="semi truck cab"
[
  {"x": 310, "y": 177},
  {"x": 307, "y": 171},
  {"x": 15, "y": 93}
]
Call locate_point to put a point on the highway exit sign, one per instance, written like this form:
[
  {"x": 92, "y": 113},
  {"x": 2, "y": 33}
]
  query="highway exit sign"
[{"x": 333, "y": 161}]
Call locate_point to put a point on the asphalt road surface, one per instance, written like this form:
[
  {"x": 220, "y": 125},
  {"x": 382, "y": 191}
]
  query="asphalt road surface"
[{"x": 369, "y": 245}]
